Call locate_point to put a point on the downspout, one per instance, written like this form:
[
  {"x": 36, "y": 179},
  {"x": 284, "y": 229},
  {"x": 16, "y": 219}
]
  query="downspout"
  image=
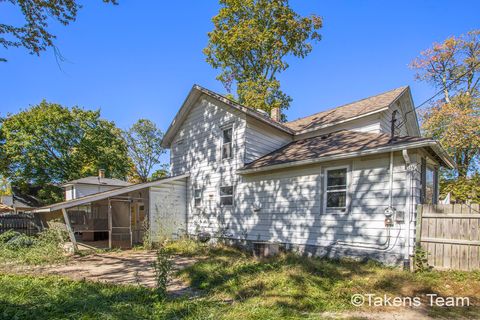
[
  {"x": 408, "y": 162},
  {"x": 390, "y": 190}
]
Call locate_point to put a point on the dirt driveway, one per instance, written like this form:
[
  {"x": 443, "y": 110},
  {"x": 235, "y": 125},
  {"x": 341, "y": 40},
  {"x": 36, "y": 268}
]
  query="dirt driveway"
[{"x": 124, "y": 267}]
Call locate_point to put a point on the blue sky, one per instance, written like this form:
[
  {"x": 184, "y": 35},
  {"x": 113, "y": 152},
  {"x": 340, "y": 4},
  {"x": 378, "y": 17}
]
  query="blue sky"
[{"x": 140, "y": 59}]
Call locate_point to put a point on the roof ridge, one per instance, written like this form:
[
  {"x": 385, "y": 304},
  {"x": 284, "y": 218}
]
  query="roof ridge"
[
  {"x": 252, "y": 109},
  {"x": 349, "y": 103}
]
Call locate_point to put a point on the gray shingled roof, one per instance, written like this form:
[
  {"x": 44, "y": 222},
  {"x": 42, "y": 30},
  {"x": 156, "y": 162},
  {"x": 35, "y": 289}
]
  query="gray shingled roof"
[
  {"x": 347, "y": 111},
  {"x": 335, "y": 143},
  {"x": 95, "y": 180}
]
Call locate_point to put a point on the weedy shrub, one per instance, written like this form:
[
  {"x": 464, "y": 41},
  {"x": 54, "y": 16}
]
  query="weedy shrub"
[
  {"x": 8, "y": 235},
  {"x": 421, "y": 260},
  {"x": 162, "y": 267},
  {"x": 20, "y": 241},
  {"x": 46, "y": 247}
]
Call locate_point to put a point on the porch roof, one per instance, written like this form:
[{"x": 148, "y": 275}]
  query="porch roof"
[{"x": 105, "y": 195}]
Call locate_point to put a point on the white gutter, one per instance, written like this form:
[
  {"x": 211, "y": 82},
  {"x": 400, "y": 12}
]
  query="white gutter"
[
  {"x": 390, "y": 189},
  {"x": 428, "y": 143},
  {"x": 408, "y": 162}
]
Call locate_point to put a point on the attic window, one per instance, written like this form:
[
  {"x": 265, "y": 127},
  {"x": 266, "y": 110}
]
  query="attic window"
[{"x": 227, "y": 143}]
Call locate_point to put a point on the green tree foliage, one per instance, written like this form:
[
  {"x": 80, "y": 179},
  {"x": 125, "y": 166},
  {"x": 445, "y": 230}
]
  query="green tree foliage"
[
  {"x": 462, "y": 190},
  {"x": 454, "y": 67},
  {"x": 48, "y": 144},
  {"x": 144, "y": 147},
  {"x": 250, "y": 43},
  {"x": 34, "y": 35},
  {"x": 5, "y": 189},
  {"x": 163, "y": 172}
]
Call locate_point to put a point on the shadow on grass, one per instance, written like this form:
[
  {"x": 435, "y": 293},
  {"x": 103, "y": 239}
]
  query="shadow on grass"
[
  {"x": 295, "y": 285},
  {"x": 290, "y": 282}
]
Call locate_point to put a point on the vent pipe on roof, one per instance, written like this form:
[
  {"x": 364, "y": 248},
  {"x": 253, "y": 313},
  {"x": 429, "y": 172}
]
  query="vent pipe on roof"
[{"x": 101, "y": 173}]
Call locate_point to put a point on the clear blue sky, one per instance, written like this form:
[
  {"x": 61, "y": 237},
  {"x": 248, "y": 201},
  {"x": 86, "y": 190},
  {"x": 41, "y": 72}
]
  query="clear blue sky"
[{"x": 140, "y": 59}]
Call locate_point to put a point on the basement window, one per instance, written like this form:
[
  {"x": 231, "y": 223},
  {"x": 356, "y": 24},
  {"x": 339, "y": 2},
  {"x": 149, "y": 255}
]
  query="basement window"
[
  {"x": 227, "y": 143},
  {"x": 197, "y": 196},
  {"x": 226, "y": 196},
  {"x": 336, "y": 189}
]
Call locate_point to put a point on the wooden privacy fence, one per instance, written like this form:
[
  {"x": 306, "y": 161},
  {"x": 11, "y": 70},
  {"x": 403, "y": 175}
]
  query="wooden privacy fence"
[
  {"x": 21, "y": 223},
  {"x": 449, "y": 233}
]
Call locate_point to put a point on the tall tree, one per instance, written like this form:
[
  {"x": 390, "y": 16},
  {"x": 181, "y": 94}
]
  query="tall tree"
[
  {"x": 48, "y": 144},
  {"x": 34, "y": 35},
  {"x": 144, "y": 147},
  {"x": 454, "y": 67},
  {"x": 250, "y": 43}
]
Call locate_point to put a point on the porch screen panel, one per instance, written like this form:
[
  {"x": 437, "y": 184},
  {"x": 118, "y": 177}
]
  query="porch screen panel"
[
  {"x": 88, "y": 218},
  {"x": 121, "y": 232}
]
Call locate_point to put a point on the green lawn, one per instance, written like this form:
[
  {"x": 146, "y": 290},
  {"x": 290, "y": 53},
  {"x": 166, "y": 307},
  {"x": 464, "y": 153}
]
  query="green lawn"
[{"x": 233, "y": 285}]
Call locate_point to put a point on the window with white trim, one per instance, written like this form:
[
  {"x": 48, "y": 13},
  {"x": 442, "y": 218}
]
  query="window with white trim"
[
  {"x": 226, "y": 196},
  {"x": 336, "y": 186},
  {"x": 429, "y": 183},
  {"x": 197, "y": 196},
  {"x": 227, "y": 145}
]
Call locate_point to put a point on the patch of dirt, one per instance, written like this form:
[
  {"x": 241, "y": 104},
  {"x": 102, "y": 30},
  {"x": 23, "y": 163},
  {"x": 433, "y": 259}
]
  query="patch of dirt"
[
  {"x": 403, "y": 314},
  {"x": 123, "y": 267}
]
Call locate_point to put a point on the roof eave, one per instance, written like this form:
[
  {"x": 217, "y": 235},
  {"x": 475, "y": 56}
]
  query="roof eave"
[
  {"x": 105, "y": 194},
  {"x": 192, "y": 97},
  {"x": 178, "y": 119},
  {"x": 412, "y": 145}
]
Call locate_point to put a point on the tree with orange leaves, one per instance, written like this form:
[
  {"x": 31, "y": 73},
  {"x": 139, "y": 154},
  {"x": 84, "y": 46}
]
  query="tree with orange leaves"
[{"x": 454, "y": 67}]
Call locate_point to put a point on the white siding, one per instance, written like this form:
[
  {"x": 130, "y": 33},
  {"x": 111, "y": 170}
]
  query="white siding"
[
  {"x": 82, "y": 190},
  {"x": 200, "y": 156},
  {"x": 168, "y": 210},
  {"x": 287, "y": 206},
  {"x": 370, "y": 123},
  {"x": 386, "y": 118},
  {"x": 261, "y": 139}
]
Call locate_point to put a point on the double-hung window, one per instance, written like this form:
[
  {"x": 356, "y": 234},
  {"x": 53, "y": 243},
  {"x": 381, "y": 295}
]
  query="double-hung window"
[
  {"x": 197, "y": 196},
  {"x": 336, "y": 189},
  {"x": 226, "y": 196},
  {"x": 227, "y": 148}
]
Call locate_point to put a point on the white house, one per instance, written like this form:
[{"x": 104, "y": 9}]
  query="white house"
[
  {"x": 340, "y": 182},
  {"x": 90, "y": 185},
  {"x": 336, "y": 182}
]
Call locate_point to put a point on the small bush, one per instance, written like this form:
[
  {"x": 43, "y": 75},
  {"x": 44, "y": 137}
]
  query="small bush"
[
  {"x": 20, "y": 241},
  {"x": 186, "y": 247},
  {"x": 421, "y": 260},
  {"x": 46, "y": 247},
  {"x": 8, "y": 235},
  {"x": 162, "y": 266}
]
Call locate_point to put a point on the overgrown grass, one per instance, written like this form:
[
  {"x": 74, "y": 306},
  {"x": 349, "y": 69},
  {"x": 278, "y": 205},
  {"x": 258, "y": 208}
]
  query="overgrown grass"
[
  {"x": 44, "y": 248},
  {"x": 290, "y": 285},
  {"x": 233, "y": 285}
]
